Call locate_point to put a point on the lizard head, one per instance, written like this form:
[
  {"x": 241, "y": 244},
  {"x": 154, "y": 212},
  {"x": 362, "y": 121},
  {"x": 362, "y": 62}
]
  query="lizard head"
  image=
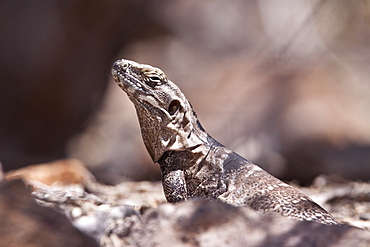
[{"x": 166, "y": 118}]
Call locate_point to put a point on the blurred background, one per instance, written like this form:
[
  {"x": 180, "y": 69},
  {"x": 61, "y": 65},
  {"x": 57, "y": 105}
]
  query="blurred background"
[{"x": 283, "y": 83}]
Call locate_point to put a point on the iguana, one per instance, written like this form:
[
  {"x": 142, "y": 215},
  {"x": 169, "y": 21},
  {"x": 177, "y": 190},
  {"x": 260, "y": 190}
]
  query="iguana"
[{"x": 192, "y": 163}]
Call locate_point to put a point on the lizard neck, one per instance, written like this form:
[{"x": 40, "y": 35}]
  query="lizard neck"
[{"x": 190, "y": 158}]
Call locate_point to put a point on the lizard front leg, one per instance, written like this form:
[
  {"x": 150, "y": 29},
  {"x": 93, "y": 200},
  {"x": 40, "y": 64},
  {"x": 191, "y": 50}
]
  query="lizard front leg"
[
  {"x": 174, "y": 186},
  {"x": 173, "y": 176}
]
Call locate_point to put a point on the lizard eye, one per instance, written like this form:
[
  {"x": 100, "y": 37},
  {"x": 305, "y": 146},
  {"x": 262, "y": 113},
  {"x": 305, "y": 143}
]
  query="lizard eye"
[
  {"x": 173, "y": 107},
  {"x": 154, "y": 81}
]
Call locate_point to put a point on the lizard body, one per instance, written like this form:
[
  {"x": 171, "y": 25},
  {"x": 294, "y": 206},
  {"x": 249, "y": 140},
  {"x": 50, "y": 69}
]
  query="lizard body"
[{"x": 192, "y": 163}]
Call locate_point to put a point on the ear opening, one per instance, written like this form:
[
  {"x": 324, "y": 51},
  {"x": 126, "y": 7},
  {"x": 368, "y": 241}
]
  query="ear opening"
[{"x": 173, "y": 107}]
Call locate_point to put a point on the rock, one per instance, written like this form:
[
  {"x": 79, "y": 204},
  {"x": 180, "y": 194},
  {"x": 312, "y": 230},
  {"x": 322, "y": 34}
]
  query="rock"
[
  {"x": 57, "y": 173},
  {"x": 137, "y": 214},
  {"x": 212, "y": 223},
  {"x": 112, "y": 216},
  {"x": 106, "y": 213},
  {"x": 25, "y": 223}
]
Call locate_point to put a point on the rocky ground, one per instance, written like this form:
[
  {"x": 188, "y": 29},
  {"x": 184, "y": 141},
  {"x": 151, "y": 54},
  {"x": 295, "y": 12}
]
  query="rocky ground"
[{"x": 137, "y": 214}]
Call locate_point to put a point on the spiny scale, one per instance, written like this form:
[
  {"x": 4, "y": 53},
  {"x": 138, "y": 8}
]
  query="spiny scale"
[{"x": 192, "y": 163}]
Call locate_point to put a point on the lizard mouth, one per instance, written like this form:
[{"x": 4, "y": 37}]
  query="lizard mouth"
[{"x": 127, "y": 82}]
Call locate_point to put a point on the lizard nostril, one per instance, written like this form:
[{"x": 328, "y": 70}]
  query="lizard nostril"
[{"x": 116, "y": 65}]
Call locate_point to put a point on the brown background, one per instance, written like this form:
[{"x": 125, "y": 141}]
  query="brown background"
[{"x": 284, "y": 84}]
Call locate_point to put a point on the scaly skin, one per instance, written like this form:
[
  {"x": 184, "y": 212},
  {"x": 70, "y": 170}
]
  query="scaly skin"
[{"x": 192, "y": 163}]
